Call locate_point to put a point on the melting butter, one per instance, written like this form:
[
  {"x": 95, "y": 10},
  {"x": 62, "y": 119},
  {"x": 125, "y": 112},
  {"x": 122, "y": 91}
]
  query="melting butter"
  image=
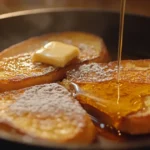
[{"x": 56, "y": 53}]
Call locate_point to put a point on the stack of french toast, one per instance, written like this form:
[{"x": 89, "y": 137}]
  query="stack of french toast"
[{"x": 45, "y": 102}]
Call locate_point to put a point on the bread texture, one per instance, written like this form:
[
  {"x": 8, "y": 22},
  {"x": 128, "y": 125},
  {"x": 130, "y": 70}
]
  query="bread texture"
[
  {"x": 126, "y": 105},
  {"x": 17, "y": 70},
  {"x": 47, "y": 112}
]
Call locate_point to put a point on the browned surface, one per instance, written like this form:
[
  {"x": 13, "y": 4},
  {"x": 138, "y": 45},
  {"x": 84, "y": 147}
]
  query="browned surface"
[
  {"x": 129, "y": 113},
  {"x": 57, "y": 128},
  {"x": 19, "y": 71}
]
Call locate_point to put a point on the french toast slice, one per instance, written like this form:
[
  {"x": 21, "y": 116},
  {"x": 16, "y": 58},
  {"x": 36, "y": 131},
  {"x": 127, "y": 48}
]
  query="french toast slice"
[
  {"x": 125, "y": 106},
  {"x": 46, "y": 112},
  {"x": 17, "y": 70},
  {"x": 92, "y": 47}
]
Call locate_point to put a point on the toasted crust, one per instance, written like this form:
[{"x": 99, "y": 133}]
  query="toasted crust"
[
  {"x": 17, "y": 70},
  {"x": 92, "y": 47},
  {"x": 135, "y": 74},
  {"x": 57, "y": 118}
]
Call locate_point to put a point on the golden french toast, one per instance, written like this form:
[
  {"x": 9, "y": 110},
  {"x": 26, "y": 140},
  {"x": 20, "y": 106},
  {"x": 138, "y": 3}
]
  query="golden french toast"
[
  {"x": 46, "y": 112},
  {"x": 125, "y": 105},
  {"x": 18, "y": 71},
  {"x": 91, "y": 46}
]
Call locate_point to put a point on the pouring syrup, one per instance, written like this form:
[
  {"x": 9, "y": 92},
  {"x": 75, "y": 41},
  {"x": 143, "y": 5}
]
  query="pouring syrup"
[
  {"x": 120, "y": 43},
  {"x": 93, "y": 112}
]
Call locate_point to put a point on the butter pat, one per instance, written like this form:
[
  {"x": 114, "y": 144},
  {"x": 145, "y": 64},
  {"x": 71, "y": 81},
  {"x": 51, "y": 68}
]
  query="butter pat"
[{"x": 56, "y": 53}]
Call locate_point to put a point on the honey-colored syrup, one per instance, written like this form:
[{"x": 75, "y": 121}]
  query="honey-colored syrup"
[
  {"x": 120, "y": 43},
  {"x": 121, "y": 29},
  {"x": 103, "y": 96},
  {"x": 107, "y": 131},
  {"x": 108, "y": 102}
]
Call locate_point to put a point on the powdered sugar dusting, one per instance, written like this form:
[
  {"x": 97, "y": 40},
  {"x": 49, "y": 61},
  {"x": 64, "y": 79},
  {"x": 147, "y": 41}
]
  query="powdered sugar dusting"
[
  {"x": 91, "y": 72},
  {"x": 87, "y": 52},
  {"x": 48, "y": 100}
]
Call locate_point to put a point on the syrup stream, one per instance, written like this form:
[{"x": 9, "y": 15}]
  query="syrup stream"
[
  {"x": 121, "y": 29},
  {"x": 94, "y": 115}
]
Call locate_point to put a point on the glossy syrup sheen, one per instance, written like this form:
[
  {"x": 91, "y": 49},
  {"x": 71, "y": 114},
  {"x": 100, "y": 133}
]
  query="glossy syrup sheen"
[
  {"x": 104, "y": 97},
  {"x": 22, "y": 66}
]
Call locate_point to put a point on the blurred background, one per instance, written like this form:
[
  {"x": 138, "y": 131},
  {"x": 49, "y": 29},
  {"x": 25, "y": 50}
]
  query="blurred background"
[{"x": 141, "y": 7}]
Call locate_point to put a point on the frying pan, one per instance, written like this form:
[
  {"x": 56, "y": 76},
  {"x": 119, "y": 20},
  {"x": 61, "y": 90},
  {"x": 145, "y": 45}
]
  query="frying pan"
[{"x": 19, "y": 26}]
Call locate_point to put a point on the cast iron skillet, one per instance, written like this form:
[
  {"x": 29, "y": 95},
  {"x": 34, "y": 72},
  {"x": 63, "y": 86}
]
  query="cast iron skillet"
[{"x": 32, "y": 23}]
